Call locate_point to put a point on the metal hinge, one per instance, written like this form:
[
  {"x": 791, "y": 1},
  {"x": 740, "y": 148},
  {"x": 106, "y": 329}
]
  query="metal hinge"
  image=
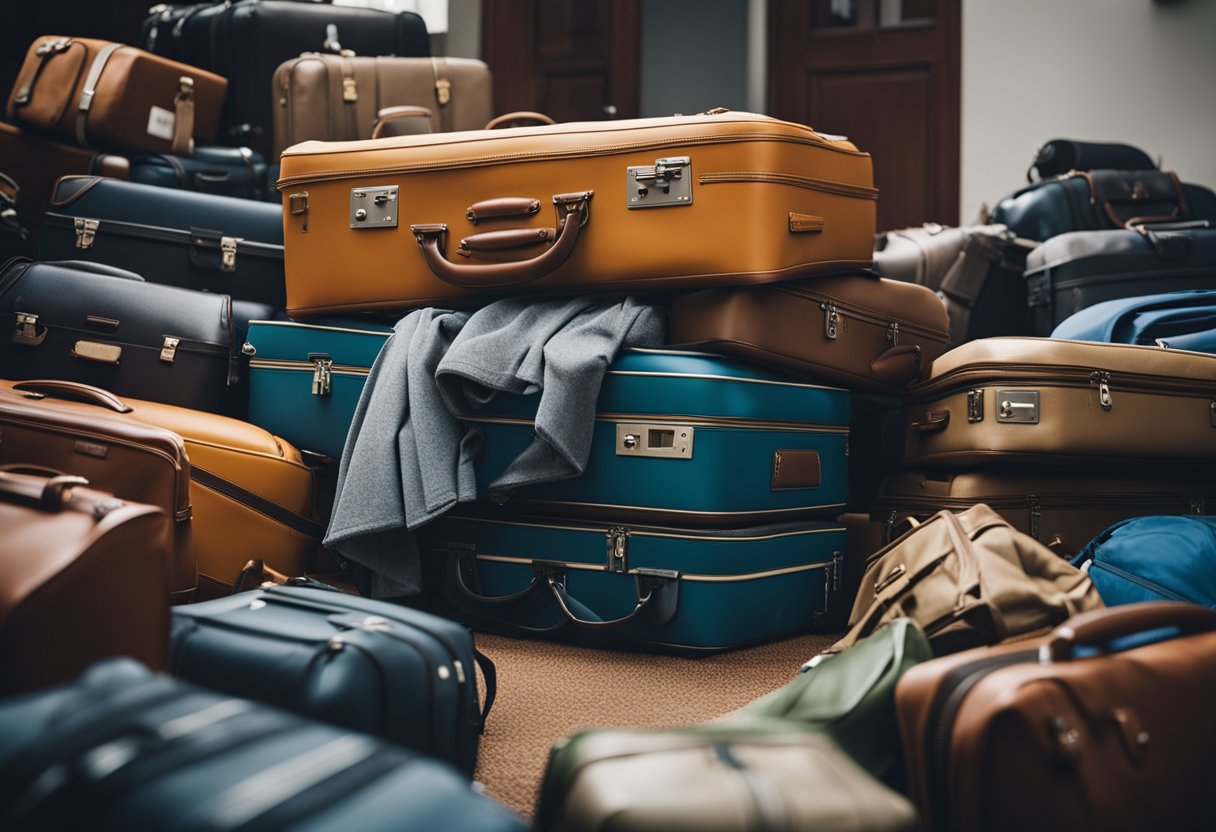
[
  {"x": 1102, "y": 380},
  {"x": 830, "y": 320},
  {"x": 975, "y": 405},
  {"x": 443, "y": 91},
  {"x": 168, "y": 349},
  {"x": 228, "y": 253},
  {"x": 1036, "y": 515},
  {"x": 618, "y": 549},
  {"x": 667, "y": 182},
  {"x": 27, "y": 330},
  {"x": 893, "y": 333},
  {"x": 85, "y": 231},
  {"x": 322, "y": 373}
]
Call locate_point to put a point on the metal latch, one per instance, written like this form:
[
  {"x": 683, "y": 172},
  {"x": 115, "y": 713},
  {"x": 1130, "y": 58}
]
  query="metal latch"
[
  {"x": 1102, "y": 380},
  {"x": 373, "y": 207},
  {"x": 443, "y": 91},
  {"x": 350, "y": 90},
  {"x": 618, "y": 549},
  {"x": 322, "y": 373},
  {"x": 168, "y": 350},
  {"x": 975, "y": 405},
  {"x": 667, "y": 182},
  {"x": 297, "y": 206},
  {"x": 830, "y": 320},
  {"x": 27, "y": 330},
  {"x": 85, "y": 231},
  {"x": 657, "y": 440},
  {"x": 228, "y": 253},
  {"x": 1020, "y": 406}
]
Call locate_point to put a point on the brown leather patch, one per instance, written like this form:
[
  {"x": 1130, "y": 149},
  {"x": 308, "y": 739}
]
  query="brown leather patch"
[
  {"x": 802, "y": 223},
  {"x": 795, "y": 469},
  {"x": 91, "y": 449}
]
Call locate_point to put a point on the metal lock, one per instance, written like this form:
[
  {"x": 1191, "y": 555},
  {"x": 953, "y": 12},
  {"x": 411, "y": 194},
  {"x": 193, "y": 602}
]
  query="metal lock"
[
  {"x": 975, "y": 405},
  {"x": 85, "y": 231},
  {"x": 1018, "y": 406},
  {"x": 373, "y": 207},
  {"x": 667, "y": 182},
  {"x": 656, "y": 440}
]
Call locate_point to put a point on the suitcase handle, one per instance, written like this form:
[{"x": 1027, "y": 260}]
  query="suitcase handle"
[
  {"x": 898, "y": 365},
  {"x": 74, "y": 391},
  {"x": 415, "y": 120},
  {"x": 519, "y": 118},
  {"x": 934, "y": 421},
  {"x": 655, "y": 587},
  {"x": 51, "y": 496},
  {"x": 31, "y": 470},
  {"x": 573, "y": 214},
  {"x": 1105, "y": 625},
  {"x": 505, "y": 239},
  {"x": 466, "y": 568}
]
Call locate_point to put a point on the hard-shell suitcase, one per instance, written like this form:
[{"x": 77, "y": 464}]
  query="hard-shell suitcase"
[
  {"x": 1062, "y": 402},
  {"x": 15, "y": 239},
  {"x": 306, "y": 379},
  {"x": 379, "y": 668},
  {"x": 687, "y": 439},
  {"x": 251, "y": 493},
  {"x": 625, "y": 584},
  {"x": 1062, "y": 508},
  {"x": 105, "y": 326},
  {"x": 121, "y": 748},
  {"x": 104, "y": 94},
  {"x": 83, "y": 575},
  {"x": 247, "y": 40},
  {"x": 131, "y": 460},
  {"x": 852, "y": 330},
  {"x": 227, "y": 171},
  {"x": 35, "y": 162},
  {"x": 338, "y": 97},
  {"x": 1102, "y": 199},
  {"x": 1174, "y": 320},
  {"x": 1153, "y": 558},
  {"x": 182, "y": 238},
  {"x": 641, "y": 205},
  {"x": 1090, "y": 728}
]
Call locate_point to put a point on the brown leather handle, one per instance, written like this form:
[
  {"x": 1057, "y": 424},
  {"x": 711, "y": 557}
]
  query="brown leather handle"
[
  {"x": 934, "y": 421},
  {"x": 46, "y": 493},
  {"x": 430, "y": 240},
  {"x": 505, "y": 239},
  {"x": 509, "y": 119},
  {"x": 503, "y": 206},
  {"x": 76, "y": 392},
  {"x": 898, "y": 365},
  {"x": 32, "y": 470},
  {"x": 420, "y": 117},
  {"x": 1100, "y": 626}
]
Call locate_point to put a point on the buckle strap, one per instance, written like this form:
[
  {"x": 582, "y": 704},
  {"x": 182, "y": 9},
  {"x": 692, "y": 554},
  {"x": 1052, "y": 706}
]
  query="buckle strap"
[
  {"x": 44, "y": 52},
  {"x": 183, "y": 122},
  {"x": 90, "y": 89}
]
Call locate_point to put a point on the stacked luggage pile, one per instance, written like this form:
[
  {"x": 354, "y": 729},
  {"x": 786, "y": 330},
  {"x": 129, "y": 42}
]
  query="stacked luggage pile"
[{"x": 742, "y": 414}]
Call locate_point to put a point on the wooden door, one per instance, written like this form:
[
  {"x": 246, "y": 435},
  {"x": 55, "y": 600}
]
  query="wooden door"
[
  {"x": 886, "y": 74},
  {"x": 573, "y": 61}
]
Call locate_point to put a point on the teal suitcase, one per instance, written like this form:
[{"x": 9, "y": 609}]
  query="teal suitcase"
[{"x": 635, "y": 586}]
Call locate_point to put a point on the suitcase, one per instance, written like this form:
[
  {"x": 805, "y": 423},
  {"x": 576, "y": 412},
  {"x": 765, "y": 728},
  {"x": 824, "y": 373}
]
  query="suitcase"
[
  {"x": 104, "y": 326},
  {"x": 121, "y": 748},
  {"x": 668, "y": 425},
  {"x": 1071, "y": 272},
  {"x": 712, "y": 778},
  {"x": 181, "y": 238},
  {"x": 15, "y": 239},
  {"x": 339, "y": 97},
  {"x": 133, "y": 461},
  {"x": 83, "y": 575},
  {"x": 227, "y": 171},
  {"x": 1061, "y": 508},
  {"x": 1060, "y": 156},
  {"x": 103, "y": 94},
  {"x": 1053, "y": 402},
  {"x": 1092, "y": 728},
  {"x": 36, "y": 162},
  {"x": 627, "y": 585},
  {"x": 735, "y": 198},
  {"x": 977, "y": 271},
  {"x": 850, "y": 330},
  {"x": 1153, "y": 558},
  {"x": 251, "y": 492},
  {"x": 245, "y": 41},
  {"x": 1102, "y": 199},
  {"x": 306, "y": 379},
  {"x": 372, "y": 667},
  {"x": 1174, "y": 320}
]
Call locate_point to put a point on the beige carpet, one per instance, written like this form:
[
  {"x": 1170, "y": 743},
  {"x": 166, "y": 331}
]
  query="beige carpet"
[{"x": 547, "y": 691}]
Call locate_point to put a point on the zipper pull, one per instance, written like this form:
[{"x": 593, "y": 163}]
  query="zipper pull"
[
  {"x": 830, "y": 320},
  {"x": 893, "y": 333},
  {"x": 1102, "y": 380},
  {"x": 1036, "y": 515},
  {"x": 322, "y": 373},
  {"x": 618, "y": 549}
]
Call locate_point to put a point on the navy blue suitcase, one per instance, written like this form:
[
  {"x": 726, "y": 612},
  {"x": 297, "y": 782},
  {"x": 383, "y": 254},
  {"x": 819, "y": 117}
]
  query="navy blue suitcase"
[
  {"x": 365, "y": 665},
  {"x": 181, "y": 238},
  {"x": 123, "y": 749},
  {"x": 1154, "y": 558},
  {"x": 1174, "y": 320},
  {"x": 227, "y": 171}
]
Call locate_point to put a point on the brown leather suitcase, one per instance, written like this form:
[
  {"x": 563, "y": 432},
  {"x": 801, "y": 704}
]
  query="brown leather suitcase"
[
  {"x": 103, "y": 94},
  {"x": 1061, "y": 508},
  {"x": 339, "y": 97},
  {"x": 1052, "y": 402},
  {"x": 854, "y": 330},
  {"x": 83, "y": 575},
  {"x": 36, "y": 162},
  {"x": 252, "y": 494},
  {"x": 131, "y": 460},
  {"x": 1078, "y": 731},
  {"x": 641, "y": 205}
]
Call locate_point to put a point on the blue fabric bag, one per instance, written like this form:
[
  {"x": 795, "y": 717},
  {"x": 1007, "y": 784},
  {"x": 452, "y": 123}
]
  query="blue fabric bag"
[
  {"x": 1178, "y": 320},
  {"x": 1154, "y": 558}
]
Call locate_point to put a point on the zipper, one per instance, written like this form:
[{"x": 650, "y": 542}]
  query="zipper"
[
  {"x": 173, "y": 235},
  {"x": 1101, "y": 380},
  {"x": 758, "y": 532},
  {"x": 826, "y": 186},
  {"x": 1104, "y": 278},
  {"x": 1057, "y": 375},
  {"x": 696, "y": 422},
  {"x": 1136, "y": 579},
  {"x": 308, "y": 367},
  {"x": 268, "y": 508},
  {"x": 834, "y": 308}
]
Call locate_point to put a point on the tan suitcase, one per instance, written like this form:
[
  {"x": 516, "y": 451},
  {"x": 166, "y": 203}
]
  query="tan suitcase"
[
  {"x": 103, "y": 94},
  {"x": 637, "y": 206},
  {"x": 854, "y": 330},
  {"x": 1052, "y": 402},
  {"x": 339, "y": 97},
  {"x": 83, "y": 575},
  {"x": 251, "y": 492}
]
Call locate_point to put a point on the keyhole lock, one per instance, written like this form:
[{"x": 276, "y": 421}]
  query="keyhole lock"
[
  {"x": 361, "y": 214},
  {"x": 630, "y": 441}
]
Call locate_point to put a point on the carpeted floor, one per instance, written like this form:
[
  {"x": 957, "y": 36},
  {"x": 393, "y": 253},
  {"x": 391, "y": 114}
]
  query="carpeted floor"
[{"x": 547, "y": 691}]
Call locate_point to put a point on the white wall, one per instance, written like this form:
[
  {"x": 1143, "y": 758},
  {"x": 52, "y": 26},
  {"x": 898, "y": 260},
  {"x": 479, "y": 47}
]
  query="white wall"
[{"x": 1136, "y": 71}]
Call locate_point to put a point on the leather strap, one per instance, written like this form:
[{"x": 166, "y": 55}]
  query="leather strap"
[
  {"x": 443, "y": 93},
  {"x": 183, "y": 125},
  {"x": 90, "y": 89},
  {"x": 44, "y": 53}
]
